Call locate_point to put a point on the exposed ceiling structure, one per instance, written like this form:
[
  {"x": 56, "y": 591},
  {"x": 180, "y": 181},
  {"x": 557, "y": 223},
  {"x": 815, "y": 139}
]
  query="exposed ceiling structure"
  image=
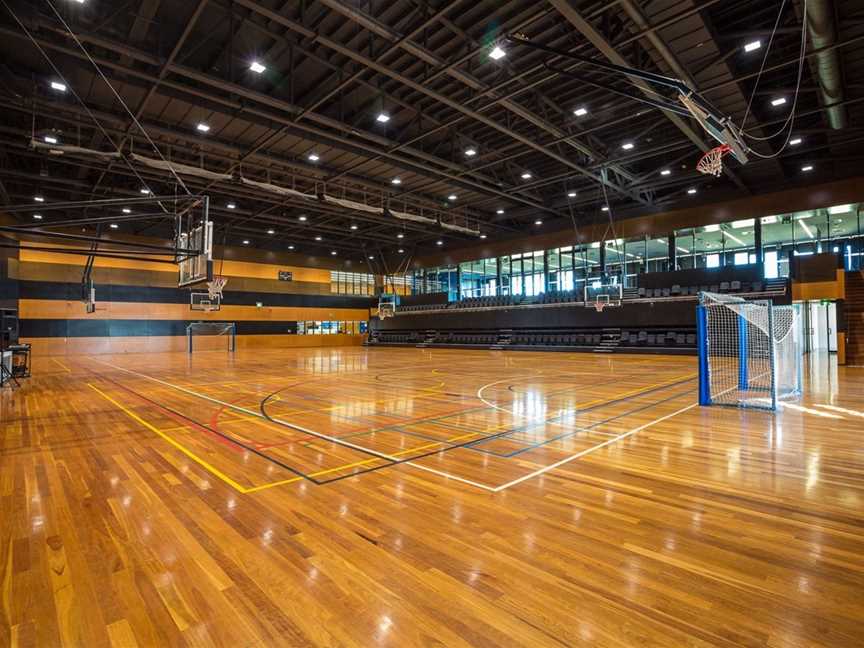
[{"x": 399, "y": 104}]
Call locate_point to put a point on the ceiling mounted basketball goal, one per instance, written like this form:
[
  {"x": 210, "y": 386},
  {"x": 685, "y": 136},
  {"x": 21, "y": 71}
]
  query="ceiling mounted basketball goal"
[{"x": 686, "y": 101}]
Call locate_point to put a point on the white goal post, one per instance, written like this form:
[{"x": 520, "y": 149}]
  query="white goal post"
[
  {"x": 211, "y": 336},
  {"x": 749, "y": 352}
]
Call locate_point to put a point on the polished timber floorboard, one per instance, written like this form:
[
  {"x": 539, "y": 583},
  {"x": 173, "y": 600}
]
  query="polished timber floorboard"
[{"x": 408, "y": 497}]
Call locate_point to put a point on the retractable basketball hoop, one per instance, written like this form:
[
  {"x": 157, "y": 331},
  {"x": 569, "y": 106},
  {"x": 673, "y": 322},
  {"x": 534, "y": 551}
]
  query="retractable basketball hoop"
[
  {"x": 386, "y": 306},
  {"x": 686, "y": 103},
  {"x": 712, "y": 162},
  {"x": 212, "y": 299},
  {"x": 601, "y": 296}
]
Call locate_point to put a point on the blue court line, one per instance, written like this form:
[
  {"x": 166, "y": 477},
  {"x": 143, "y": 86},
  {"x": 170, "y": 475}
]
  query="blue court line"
[{"x": 574, "y": 431}]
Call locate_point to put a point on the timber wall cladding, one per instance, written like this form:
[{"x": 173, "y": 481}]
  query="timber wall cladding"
[{"x": 140, "y": 308}]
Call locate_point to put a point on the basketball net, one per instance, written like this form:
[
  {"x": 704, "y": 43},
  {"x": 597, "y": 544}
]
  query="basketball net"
[
  {"x": 712, "y": 162},
  {"x": 599, "y": 306},
  {"x": 215, "y": 287}
]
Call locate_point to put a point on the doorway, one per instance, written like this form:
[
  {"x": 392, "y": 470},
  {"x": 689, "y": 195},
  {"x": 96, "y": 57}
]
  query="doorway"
[{"x": 821, "y": 327}]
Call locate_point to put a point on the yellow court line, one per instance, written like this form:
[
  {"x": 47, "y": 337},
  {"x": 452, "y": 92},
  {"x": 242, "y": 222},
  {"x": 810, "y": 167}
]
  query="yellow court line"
[
  {"x": 64, "y": 367},
  {"x": 255, "y": 489},
  {"x": 180, "y": 447}
]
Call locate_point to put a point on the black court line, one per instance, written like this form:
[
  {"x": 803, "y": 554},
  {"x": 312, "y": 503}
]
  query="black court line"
[{"x": 228, "y": 438}]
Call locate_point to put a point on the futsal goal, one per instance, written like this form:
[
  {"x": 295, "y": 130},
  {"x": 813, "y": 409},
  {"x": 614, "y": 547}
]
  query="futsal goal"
[
  {"x": 749, "y": 352},
  {"x": 211, "y": 336}
]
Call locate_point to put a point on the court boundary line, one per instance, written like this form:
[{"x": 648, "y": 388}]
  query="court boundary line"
[
  {"x": 410, "y": 462},
  {"x": 588, "y": 451},
  {"x": 325, "y": 437}
]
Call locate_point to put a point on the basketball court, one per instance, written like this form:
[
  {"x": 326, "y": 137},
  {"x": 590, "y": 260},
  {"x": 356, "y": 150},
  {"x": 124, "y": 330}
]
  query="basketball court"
[{"x": 431, "y": 324}]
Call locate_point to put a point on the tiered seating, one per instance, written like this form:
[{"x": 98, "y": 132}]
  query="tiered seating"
[
  {"x": 682, "y": 339},
  {"x": 485, "y": 302},
  {"x": 420, "y": 308},
  {"x": 772, "y": 286}
]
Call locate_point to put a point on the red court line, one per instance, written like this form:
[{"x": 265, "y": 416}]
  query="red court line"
[{"x": 175, "y": 417}]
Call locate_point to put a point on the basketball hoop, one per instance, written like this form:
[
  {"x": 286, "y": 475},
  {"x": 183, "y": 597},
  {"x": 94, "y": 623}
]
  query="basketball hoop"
[
  {"x": 712, "y": 162},
  {"x": 215, "y": 287}
]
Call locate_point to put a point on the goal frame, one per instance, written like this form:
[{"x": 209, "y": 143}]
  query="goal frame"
[
  {"x": 750, "y": 353},
  {"x": 228, "y": 329}
]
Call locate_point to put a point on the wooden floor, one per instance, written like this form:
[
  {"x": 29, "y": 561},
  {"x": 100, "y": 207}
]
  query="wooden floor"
[{"x": 408, "y": 497}]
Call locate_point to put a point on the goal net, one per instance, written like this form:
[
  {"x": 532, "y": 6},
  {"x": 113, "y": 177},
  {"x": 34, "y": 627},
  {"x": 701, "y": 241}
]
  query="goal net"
[
  {"x": 749, "y": 352},
  {"x": 211, "y": 336}
]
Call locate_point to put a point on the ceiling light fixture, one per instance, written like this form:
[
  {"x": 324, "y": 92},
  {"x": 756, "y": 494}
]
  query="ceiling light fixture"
[
  {"x": 271, "y": 232},
  {"x": 401, "y": 251},
  {"x": 580, "y": 112},
  {"x": 482, "y": 236},
  {"x": 371, "y": 256},
  {"x": 439, "y": 242},
  {"x": 317, "y": 238},
  {"x": 37, "y": 216},
  {"x": 665, "y": 172},
  {"x": 396, "y": 181},
  {"x": 452, "y": 197},
  {"x": 38, "y": 199},
  {"x": 50, "y": 139},
  {"x": 779, "y": 101},
  {"x": 538, "y": 222},
  {"x": 808, "y": 167},
  {"x": 470, "y": 152},
  {"x": 571, "y": 194},
  {"x": 245, "y": 241},
  {"x": 204, "y": 128},
  {"x": 302, "y": 218},
  {"x": 59, "y": 87},
  {"x": 290, "y": 247},
  {"x": 839, "y": 209},
  {"x": 604, "y": 208},
  {"x": 526, "y": 175},
  {"x": 144, "y": 192},
  {"x": 313, "y": 157},
  {"x": 627, "y": 146},
  {"x": 497, "y": 53},
  {"x": 500, "y": 212},
  {"x": 752, "y": 46},
  {"x": 114, "y": 226},
  {"x": 382, "y": 118},
  {"x": 691, "y": 190},
  {"x": 257, "y": 68},
  {"x": 333, "y": 252},
  {"x": 795, "y": 142},
  {"x": 400, "y": 235},
  {"x": 353, "y": 226},
  {"x": 126, "y": 210}
]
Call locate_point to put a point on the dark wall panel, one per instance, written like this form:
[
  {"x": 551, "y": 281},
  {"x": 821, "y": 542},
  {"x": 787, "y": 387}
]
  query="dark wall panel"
[
  {"x": 671, "y": 314},
  {"x": 8, "y": 283},
  {"x": 156, "y": 295},
  {"x": 48, "y": 328}
]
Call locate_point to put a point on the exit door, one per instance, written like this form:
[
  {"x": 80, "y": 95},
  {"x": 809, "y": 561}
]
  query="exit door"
[{"x": 822, "y": 326}]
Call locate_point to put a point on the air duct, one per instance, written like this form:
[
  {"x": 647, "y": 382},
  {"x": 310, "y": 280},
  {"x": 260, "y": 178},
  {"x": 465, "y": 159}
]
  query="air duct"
[{"x": 826, "y": 65}]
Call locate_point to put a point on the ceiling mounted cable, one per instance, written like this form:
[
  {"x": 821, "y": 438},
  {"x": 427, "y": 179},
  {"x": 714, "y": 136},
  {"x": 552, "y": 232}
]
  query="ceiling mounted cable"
[
  {"x": 788, "y": 124},
  {"x": 118, "y": 97},
  {"x": 74, "y": 93}
]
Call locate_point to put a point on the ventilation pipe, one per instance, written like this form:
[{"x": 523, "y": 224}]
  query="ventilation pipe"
[{"x": 826, "y": 65}]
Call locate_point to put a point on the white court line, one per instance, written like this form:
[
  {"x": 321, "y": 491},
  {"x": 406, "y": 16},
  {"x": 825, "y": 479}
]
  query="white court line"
[
  {"x": 336, "y": 440},
  {"x": 567, "y": 460}
]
